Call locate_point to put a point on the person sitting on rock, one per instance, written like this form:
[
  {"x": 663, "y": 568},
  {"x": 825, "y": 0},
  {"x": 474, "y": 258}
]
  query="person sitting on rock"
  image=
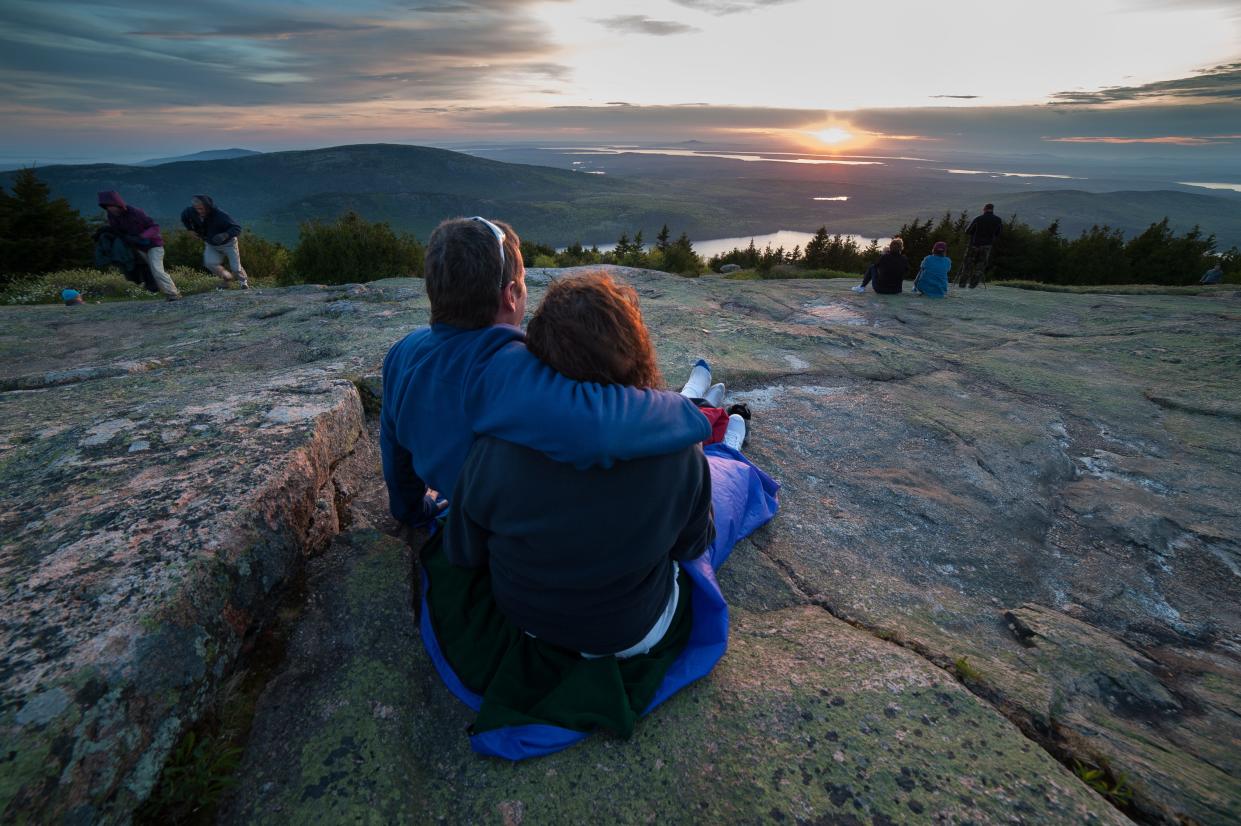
[
  {"x": 470, "y": 373},
  {"x": 1212, "y": 276},
  {"x": 889, "y": 272},
  {"x": 219, "y": 233},
  {"x": 571, "y": 605},
  {"x": 932, "y": 278}
]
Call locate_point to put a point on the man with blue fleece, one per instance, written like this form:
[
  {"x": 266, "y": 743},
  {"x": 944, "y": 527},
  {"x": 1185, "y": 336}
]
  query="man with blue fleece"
[
  {"x": 469, "y": 373},
  {"x": 219, "y": 233}
]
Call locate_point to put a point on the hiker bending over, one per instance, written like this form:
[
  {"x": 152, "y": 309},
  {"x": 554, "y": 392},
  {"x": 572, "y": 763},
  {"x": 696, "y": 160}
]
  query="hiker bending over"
[
  {"x": 218, "y": 232},
  {"x": 983, "y": 231},
  {"x": 932, "y": 278},
  {"x": 141, "y": 235}
]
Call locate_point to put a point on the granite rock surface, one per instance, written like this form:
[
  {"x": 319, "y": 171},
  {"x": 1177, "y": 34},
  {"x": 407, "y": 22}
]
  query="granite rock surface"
[{"x": 1015, "y": 506}]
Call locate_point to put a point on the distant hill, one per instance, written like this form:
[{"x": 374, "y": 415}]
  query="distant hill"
[
  {"x": 1129, "y": 211},
  {"x": 413, "y": 188},
  {"x": 208, "y": 155}
]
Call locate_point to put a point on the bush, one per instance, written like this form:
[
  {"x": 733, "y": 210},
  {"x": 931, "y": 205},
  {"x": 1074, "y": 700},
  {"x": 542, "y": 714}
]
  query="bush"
[
  {"x": 263, "y": 260},
  {"x": 107, "y": 285},
  {"x": 353, "y": 250}
]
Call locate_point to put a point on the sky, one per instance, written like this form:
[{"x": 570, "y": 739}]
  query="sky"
[{"x": 112, "y": 80}]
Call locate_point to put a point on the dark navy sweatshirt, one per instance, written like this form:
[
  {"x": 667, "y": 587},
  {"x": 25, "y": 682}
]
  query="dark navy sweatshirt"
[{"x": 579, "y": 558}]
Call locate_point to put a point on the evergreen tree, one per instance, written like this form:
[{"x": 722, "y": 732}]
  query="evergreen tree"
[
  {"x": 661, "y": 240},
  {"x": 38, "y": 235},
  {"x": 1158, "y": 256},
  {"x": 679, "y": 257},
  {"x": 1097, "y": 256},
  {"x": 815, "y": 257},
  {"x": 622, "y": 249}
]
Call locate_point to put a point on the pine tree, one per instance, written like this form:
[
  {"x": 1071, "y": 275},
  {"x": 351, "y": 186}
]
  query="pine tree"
[
  {"x": 38, "y": 235},
  {"x": 661, "y": 241}
]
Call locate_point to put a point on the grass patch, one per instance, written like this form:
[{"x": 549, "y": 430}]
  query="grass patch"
[
  {"x": 966, "y": 672},
  {"x": 198, "y": 773},
  {"x": 107, "y": 285},
  {"x": 1112, "y": 786},
  {"x": 1116, "y": 289}
]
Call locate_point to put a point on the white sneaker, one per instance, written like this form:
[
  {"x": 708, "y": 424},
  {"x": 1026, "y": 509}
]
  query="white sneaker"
[
  {"x": 714, "y": 397},
  {"x": 699, "y": 381},
  {"x": 858, "y": 289},
  {"x": 734, "y": 436}
]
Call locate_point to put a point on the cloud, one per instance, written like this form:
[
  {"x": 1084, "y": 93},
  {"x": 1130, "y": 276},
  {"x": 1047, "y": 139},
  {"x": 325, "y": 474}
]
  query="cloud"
[
  {"x": 1173, "y": 140},
  {"x": 637, "y": 24},
  {"x": 148, "y": 55},
  {"x": 956, "y": 97},
  {"x": 721, "y": 7},
  {"x": 1217, "y": 83}
]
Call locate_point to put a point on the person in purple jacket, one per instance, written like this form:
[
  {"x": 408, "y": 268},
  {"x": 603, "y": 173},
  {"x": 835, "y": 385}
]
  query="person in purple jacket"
[
  {"x": 469, "y": 373},
  {"x": 141, "y": 234}
]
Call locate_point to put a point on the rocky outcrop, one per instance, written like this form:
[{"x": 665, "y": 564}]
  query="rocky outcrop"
[{"x": 1006, "y": 554}]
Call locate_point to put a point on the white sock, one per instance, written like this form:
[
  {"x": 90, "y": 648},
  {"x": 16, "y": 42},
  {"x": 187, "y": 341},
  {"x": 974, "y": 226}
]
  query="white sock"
[
  {"x": 714, "y": 396},
  {"x": 734, "y": 436},
  {"x": 699, "y": 381}
]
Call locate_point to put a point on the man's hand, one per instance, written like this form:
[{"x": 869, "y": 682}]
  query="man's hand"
[{"x": 219, "y": 238}]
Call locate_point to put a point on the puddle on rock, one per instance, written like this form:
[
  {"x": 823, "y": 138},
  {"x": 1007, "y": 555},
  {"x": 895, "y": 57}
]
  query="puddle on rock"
[{"x": 832, "y": 313}]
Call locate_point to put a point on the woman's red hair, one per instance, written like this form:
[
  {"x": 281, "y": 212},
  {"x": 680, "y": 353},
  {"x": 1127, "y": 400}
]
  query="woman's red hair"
[{"x": 589, "y": 328}]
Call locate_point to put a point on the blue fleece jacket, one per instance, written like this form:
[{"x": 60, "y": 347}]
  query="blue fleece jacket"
[
  {"x": 932, "y": 280},
  {"x": 442, "y": 386}
]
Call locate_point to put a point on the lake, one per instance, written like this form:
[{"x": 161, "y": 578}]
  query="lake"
[{"x": 786, "y": 238}]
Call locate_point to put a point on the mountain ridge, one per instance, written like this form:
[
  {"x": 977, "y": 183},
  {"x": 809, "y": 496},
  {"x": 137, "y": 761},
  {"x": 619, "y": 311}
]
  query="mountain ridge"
[{"x": 414, "y": 187}]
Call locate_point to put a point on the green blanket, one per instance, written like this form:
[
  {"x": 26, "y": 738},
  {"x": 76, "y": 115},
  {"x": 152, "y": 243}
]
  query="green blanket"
[{"x": 524, "y": 680}]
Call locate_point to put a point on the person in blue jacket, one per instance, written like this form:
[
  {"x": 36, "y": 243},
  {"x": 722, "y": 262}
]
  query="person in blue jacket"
[
  {"x": 932, "y": 278},
  {"x": 219, "y": 233},
  {"x": 469, "y": 373}
]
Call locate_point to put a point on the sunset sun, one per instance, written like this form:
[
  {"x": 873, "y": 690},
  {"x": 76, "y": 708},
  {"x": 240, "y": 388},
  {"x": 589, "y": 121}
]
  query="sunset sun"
[{"x": 832, "y": 136}]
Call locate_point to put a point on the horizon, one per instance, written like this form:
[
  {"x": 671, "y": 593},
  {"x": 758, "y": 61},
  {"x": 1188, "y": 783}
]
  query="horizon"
[{"x": 130, "y": 81}]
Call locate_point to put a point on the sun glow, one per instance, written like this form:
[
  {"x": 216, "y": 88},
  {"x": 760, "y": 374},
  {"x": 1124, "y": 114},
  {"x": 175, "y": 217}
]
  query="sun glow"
[
  {"x": 832, "y": 136},
  {"x": 834, "y": 139}
]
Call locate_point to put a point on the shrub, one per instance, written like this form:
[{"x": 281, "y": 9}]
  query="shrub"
[
  {"x": 106, "y": 285},
  {"x": 353, "y": 250},
  {"x": 263, "y": 260}
]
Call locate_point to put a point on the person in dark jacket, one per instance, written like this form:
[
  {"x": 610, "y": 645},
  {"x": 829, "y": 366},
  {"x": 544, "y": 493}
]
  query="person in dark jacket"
[
  {"x": 983, "y": 231},
  {"x": 588, "y": 559},
  {"x": 891, "y": 269},
  {"x": 140, "y": 234},
  {"x": 219, "y": 233}
]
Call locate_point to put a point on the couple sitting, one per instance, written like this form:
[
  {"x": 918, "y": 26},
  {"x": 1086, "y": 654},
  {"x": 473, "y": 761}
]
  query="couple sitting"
[
  {"x": 572, "y": 585},
  {"x": 890, "y": 271}
]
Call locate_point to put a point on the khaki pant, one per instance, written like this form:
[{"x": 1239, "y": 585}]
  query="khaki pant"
[
  {"x": 214, "y": 255},
  {"x": 974, "y": 267},
  {"x": 155, "y": 260}
]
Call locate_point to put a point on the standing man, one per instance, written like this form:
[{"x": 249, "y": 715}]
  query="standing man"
[
  {"x": 983, "y": 231},
  {"x": 470, "y": 374},
  {"x": 218, "y": 232},
  {"x": 140, "y": 234}
]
